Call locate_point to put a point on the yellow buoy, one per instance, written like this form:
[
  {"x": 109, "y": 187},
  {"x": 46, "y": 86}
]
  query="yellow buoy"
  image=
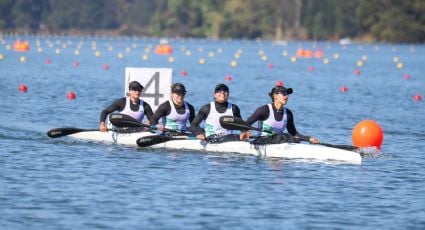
[
  {"x": 399, "y": 65},
  {"x": 1, "y": 56},
  {"x": 293, "y": 59},
  {"x": 120, "y": 55},
  {"x": 359, "y": 63},
  {"x": 325, "y": 61},
  {"x": 211, "y": 54},
  {"x": 22, "y": 59},
  {"x": 171, "y": 59},
  {"x": 233, "y": 63},
  {"x": 336, "y": 55},
  {"x": 97, "y": 53},
  {"x": 201, "y": 61},
  {"x": 145, "y": 57}
]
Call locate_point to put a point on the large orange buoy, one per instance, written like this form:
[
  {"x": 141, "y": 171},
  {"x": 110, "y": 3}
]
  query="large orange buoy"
[
  {"x": 367, "y": 133},
  {"x": 163, "y": 49}
]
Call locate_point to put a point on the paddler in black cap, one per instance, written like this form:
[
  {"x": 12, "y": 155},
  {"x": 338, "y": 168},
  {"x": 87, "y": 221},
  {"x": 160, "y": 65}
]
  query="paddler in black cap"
[
  {"x": 176, "y": 112},
  {"x": 132, "y": 105},
  {"x": 211, "y": 113},
  {"x": 276, "y": 117}
]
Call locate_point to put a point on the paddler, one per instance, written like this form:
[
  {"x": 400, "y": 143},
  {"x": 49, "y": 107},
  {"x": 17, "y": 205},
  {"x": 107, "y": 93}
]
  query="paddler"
[
  {"x": 211, "y": 113},
  {"x": 131, "y": 105},
  {"x": 277, "y": 118},
  {"x": 176, "y": 112}
]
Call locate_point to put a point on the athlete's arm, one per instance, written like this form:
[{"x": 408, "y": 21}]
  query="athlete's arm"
[{"x": 201, "y": 116}]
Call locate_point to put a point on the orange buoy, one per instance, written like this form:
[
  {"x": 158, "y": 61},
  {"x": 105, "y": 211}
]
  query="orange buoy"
[
  {"x": 367, "y": 133},
  {"x": 21, "y": 46},
  {"x": 23, "y": 88},
  {"x": 71, "y": 95},
  {"x": 163, "y": 49},
  {"x": 343, "y": 89}
]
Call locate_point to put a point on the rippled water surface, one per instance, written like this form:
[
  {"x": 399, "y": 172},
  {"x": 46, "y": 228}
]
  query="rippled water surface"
[{"x": 67, "y": 184}]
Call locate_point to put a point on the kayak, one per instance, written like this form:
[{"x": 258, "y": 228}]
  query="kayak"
[{"x": 283, "y": 150}]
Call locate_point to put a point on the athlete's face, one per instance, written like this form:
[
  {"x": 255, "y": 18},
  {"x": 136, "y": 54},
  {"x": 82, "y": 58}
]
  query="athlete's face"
[
  {"x": 135, "y": 94},
  {"x": 281, "y": 98},
  {"x": 178, "y": 98},
  {"x": 221, "y": 96}
]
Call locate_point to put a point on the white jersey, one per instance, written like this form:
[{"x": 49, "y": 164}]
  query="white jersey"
[
  {"x": 138, "y": 115},
  {"x": 176, "y": 121},
  {"x": 212, "y": 123},
  {"x": 271, "y": 124}
]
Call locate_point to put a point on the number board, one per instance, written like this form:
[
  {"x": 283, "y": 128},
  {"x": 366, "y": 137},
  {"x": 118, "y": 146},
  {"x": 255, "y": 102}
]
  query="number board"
[{"x": 156, "y": 83}]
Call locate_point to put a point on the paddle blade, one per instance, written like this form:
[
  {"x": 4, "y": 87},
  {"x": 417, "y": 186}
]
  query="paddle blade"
[
  {"x": 60, "y": 132},
  {"x": 156, "y": 139},
  {"x": 123, "y": 120},
  {"x": 235, "y": 123}
]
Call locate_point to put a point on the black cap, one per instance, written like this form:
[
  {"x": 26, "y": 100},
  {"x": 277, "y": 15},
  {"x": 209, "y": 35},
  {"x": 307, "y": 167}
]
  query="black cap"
[
  {"x": 221, "y": 87},
  {"x": 280, "y": 89},
  {"x": 134, "y": 85},
  {"x": 178, "y": 88}
]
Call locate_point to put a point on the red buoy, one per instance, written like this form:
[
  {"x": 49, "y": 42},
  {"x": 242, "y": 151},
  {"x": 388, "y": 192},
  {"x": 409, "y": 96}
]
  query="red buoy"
[
  {"x": 71, "y": 95},
  {"x": 406, "y": 77},
  {"x": 270, "y": 66},
  {"x": 183, "y": 73},
  {"x": 417, "y": 97},
  {"x": 367, "y": 133},
  {"x": 279, "y": 83},
  {"x": 48, "y": 61},
  {"x": 357, "y": 72},
  {"x": 343, "y": 89},
  {"x": 228, "y": 78},
  {"x": 23, "y": 88},
  {"x": 105, "y": 66},
  {"x": 76, "y": 64}
]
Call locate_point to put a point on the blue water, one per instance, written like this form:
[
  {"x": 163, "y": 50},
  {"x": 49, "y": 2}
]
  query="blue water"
[{"x": 67, "y": 184}]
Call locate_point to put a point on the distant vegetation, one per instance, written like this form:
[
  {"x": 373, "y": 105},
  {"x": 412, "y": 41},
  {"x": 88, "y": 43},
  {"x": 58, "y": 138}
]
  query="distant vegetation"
[{"x": 394, "y": 21}]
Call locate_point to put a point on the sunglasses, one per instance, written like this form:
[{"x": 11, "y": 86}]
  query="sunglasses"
[
  {"x": 283, "y": 93},
  {"x": 180, "y": 93},
  {"x": 139, "y": 90}
]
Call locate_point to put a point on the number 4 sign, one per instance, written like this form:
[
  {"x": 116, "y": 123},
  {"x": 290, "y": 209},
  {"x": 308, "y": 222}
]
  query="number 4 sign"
[{"x": 156, "y": 83}]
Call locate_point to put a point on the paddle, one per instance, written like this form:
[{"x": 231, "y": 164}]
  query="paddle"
[
  {"x": 60, "y": 132},
  {"x": 158, "y": 139},
  {"x": 236, "y": 123},
  {"x": 123, "y": 120}
]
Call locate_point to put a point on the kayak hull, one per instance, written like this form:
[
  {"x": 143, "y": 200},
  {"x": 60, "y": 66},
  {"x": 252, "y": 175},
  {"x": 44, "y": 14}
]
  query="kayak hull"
[{"x": 283, "y": 150}]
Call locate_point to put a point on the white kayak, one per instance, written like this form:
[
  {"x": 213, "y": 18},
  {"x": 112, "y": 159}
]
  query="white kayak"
[{"x": 284, "y": 150}]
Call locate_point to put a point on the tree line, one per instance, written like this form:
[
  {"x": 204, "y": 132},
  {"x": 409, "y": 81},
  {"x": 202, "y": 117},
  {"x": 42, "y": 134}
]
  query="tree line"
[{"x": 396, "y": 21}]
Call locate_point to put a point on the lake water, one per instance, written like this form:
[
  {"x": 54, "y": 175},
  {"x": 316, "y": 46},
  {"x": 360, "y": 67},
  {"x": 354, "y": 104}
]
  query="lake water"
[{"x": 66, "y": 184}]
